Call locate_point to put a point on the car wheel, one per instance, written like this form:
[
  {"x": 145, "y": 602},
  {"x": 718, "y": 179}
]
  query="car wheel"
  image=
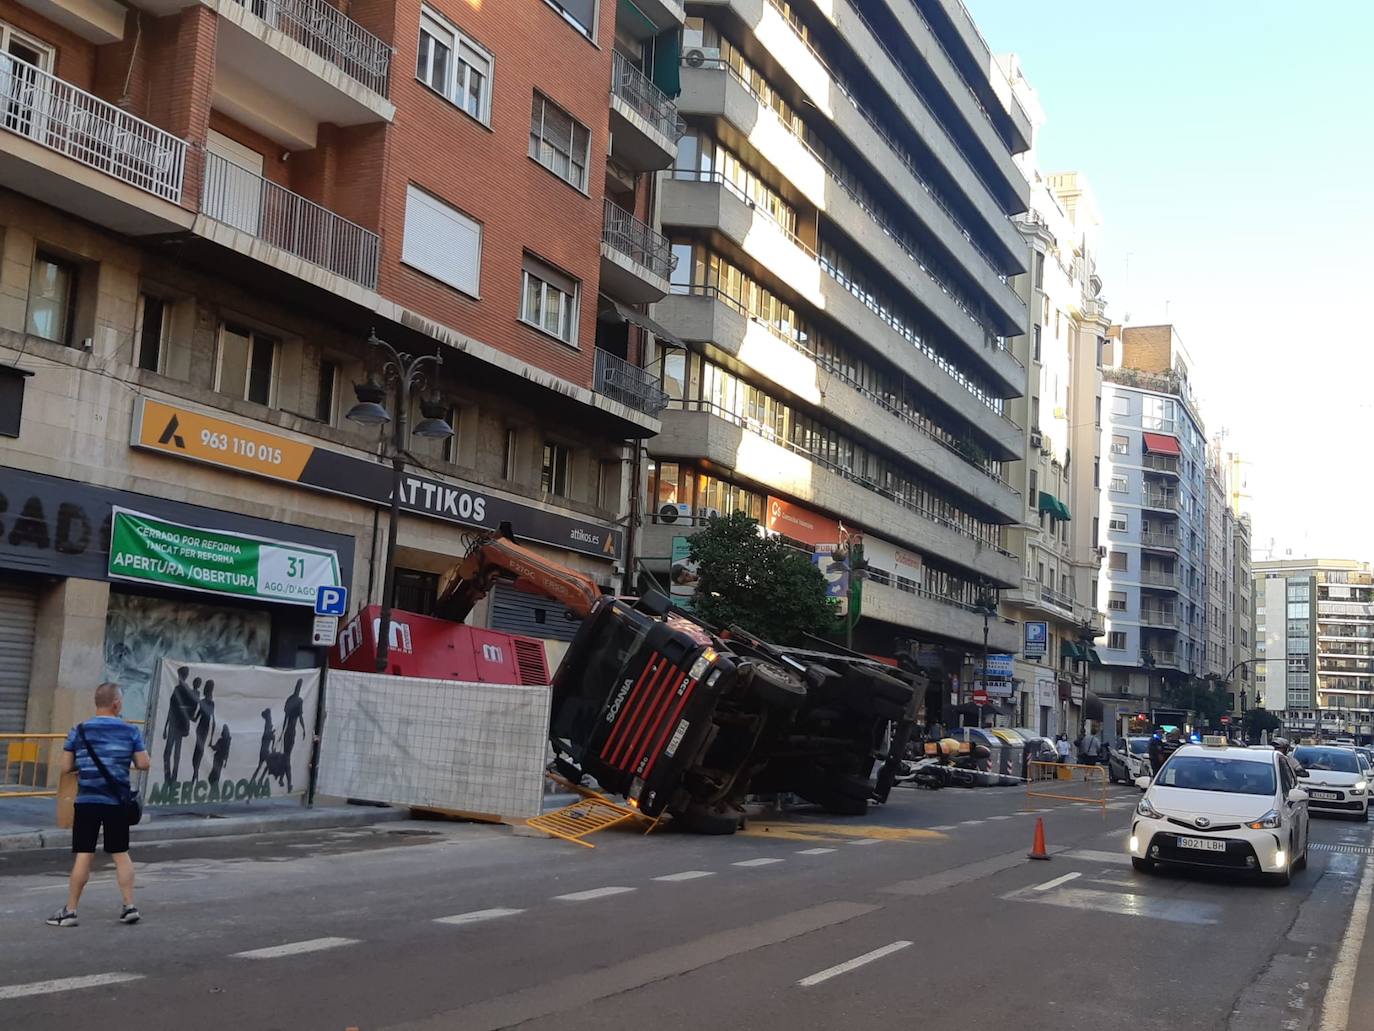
[
  {"x": 1365, "y": 816},
  {"x": 1282, "y": 878},
  {"x": 1301, "y": 862},
  {"x": 1143, "y": 865}
]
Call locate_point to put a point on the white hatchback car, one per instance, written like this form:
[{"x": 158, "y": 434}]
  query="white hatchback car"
[
  {"x": 1337, "y": 781},
  {"x": 1225, "y": 808}
]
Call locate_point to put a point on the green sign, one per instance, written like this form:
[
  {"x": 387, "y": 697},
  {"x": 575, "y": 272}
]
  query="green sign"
[{"x": 156, "y": 551}]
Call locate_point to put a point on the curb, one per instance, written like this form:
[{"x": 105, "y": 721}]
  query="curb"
[{"x": 190, "y": 828}]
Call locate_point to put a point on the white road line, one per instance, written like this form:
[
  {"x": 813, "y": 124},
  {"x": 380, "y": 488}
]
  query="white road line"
[
  {"x": 594, "y": 893},
  {"x": 970, "y": 823},
  {"x": 1057, "y": 881},
  {"x": 999, "y": 817},
  {"x": 853, "y": 964},
  {"x": 64, "y": 984},
  {"x": 942, "y": 827},
  {"x": 815, "y": 851},
  {"x": 686, "y": 875},
  {"x": 477, "y": 916},
  {"x": 867, "y": 841},
  {"x": 1336, "y": 1006},
  {"x": 756, "y": 862},
  {"x": 295, "y": 948}
]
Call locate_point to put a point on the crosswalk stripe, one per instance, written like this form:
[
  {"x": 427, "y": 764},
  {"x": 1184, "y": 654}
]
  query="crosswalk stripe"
[
  {"x": 296, "y": 948},
  {"x": 686, "y": 875},
  {"x": 64, "y": 984},
  {"x": 594, "y": 893},
  {"x": 756, "y": 862},
  {"x": 477, "y": 916}
]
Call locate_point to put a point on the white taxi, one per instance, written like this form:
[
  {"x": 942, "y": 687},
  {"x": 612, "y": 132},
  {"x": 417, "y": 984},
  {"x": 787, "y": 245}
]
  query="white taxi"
[{"x": 1224, "y": 808}]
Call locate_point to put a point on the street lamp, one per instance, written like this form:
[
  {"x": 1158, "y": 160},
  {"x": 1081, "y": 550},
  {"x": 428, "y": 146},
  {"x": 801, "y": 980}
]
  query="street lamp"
[
  {"x": 1147, "y": 661},
  {"x": 402, "y": 372},
  {"x": 987, "y": 607}
]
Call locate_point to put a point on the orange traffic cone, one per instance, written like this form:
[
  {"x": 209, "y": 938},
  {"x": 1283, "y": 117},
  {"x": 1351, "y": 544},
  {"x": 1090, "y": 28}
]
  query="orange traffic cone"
[{"x": 1038, "y": 845}]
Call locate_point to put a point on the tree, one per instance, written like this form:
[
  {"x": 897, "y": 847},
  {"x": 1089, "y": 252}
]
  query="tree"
[
  {"x": 758, "y": 582},
  {"x": 1256, "y": 721}
]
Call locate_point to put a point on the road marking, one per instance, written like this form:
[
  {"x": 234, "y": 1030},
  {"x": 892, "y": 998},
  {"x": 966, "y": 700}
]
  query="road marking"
[
  {"x": 477, "y": 916},
  {"x": 1094, "y": 855},
  {"x": 999, "y": 817},
  {"x": 64, "y": 984},
  {"x": 1057, "y": 881},
  {"x": 686, "y": 875},
  {"x": 943, "y": 827},
  {"x": 853, "y": 964},
  {"x": 594, "y": 893},
  {"x": 867, "y": 841},
  {"x": 970, "y": 823},
  {"x": 296, "y": 948},
  {"x": 815, "y": 851},
  {"x": 1175, "y": 910},
  {"x": 756, "y": 862},
  {"x": 1336, "y": 1007},
  {"x": 808, "y": 830}
]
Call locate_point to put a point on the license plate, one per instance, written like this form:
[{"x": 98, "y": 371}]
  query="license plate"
[
  {"x": 1202, "y": 844},
  {"x": 1333, "y": 796}
]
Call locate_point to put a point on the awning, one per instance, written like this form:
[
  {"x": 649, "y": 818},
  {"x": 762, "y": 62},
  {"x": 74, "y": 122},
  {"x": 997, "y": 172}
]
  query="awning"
[
  {"x": 1091, "y": 654},
  {"x": 614, "y": 311},
  {"x": 1070, "y": 650},
  {"x": 1161, "y": 444},
  {"x": 1049, "y": 503},
  {"x": 1063, "y": 510}
]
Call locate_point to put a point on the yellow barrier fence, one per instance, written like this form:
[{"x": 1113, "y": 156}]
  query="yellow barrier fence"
[
  {"x": 31, "y": 765},
  {"x": 1040, "y": 776}
]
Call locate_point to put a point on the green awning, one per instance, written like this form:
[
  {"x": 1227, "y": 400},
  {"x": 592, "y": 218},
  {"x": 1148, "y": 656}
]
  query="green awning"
[
  {"x": 1048, "y": 503},
  {"x": 667, "y": 72},
  {"x": 1093, "y": 657},
  {"x": 1069, "y": 650},
  {"x": 1063, "y": 510}
]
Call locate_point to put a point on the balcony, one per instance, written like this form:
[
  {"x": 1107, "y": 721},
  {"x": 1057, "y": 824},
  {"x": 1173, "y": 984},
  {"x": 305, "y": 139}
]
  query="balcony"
[
  {"x": 1153, "y": 578},
  {"x": 288, "y": 222},
  {"x": 1043, "y": 599},
  {"x": 1160, "y": 501},
  {"x": 629, "y": 384},
  {"x": 1162, "y": 660},
  {"x": 79, "y": 153},
  {"x": 1159, "y": 541},
  {"x": 905, "y": 604},
  {"x": 636, "y": 261},
  {"x": 1166, "y": 464},
  {"x": 645, "y": 125},
  {"x": 1159, "y": 619},
  {"x": 284, "y": 67}
]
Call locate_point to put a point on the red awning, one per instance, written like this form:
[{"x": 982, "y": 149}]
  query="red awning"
[{"x": 1161, "y": 444}]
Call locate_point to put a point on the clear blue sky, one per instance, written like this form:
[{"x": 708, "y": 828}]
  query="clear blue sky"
[{"x": 1229, "y": 145}]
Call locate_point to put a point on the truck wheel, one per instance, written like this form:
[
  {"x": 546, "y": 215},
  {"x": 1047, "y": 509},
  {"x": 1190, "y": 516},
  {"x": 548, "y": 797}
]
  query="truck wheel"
[
  {"x": 698, "y": 819},
  {"x": 776, "y": 686}
]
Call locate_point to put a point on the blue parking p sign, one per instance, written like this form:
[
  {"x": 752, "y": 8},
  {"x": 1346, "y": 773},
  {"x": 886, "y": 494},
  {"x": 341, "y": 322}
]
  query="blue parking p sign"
[{"x": 331, "y": 601}]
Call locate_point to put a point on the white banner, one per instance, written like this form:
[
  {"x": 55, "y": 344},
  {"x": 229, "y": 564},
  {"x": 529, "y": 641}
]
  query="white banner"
[
  {"x": 220, "y": 733},
  {"x": 892, "y": 559},
  {"x": 445, "y": 744}
]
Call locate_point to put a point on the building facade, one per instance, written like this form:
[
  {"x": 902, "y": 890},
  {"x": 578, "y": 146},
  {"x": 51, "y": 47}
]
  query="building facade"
[
  {"x": 1153, "y": 521},
  {"x": 205, "y": 211},
  {"x": 1055, "y": 602},
  {"x": 1315, "y": 621},
  {"x": 842, "y": 287}
]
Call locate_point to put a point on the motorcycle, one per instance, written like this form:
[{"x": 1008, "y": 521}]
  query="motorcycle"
[{"x": 944, "y": 763}]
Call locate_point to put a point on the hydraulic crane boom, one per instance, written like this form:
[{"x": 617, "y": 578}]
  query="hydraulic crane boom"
[{"x": 493, "y": 557}]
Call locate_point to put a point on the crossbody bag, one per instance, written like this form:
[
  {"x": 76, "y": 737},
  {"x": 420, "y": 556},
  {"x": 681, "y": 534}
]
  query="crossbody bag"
[{"x": 128, "y": 798}]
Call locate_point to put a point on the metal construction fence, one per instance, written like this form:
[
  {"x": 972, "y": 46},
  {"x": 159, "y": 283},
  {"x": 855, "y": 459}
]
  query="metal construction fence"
[{"x": 1080, "y": 783}]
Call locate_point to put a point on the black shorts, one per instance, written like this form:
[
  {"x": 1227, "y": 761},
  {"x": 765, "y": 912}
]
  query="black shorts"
[{"x": 90, "y": 818}]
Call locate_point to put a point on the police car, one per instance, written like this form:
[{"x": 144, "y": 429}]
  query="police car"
[{"x": 1224, "y": 808}]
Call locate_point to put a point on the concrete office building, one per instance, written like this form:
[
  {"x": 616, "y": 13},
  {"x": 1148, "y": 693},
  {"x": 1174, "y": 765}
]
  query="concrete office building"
[
  {"x": 1061, "y": 411},
  {"x": 840, "y": 219},
  {"x": 1315, "y": 621},
  {"x": 205, "y": 210},
  {"x": 1153, "y": 520}
]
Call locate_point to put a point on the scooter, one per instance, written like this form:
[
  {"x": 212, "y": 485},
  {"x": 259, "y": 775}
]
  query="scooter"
[{"x": 945, "y": 763}]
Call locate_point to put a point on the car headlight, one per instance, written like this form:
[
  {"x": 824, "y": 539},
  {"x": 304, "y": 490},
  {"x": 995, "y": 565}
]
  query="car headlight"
[
  {"x": 1148, "y": 811},
  {"x": 1269, "y": 821},
  {"x": 1359, "y": 787}
]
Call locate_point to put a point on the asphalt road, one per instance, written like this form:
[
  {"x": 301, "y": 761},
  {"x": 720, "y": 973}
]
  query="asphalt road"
[{"x": 926, "y": 912}]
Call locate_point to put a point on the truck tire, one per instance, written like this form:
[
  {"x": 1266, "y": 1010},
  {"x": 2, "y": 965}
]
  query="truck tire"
[
  {"x": 775, "y": 685},
  {"x": 839, "y": 793},
  {"x": 698, "y": 819}
]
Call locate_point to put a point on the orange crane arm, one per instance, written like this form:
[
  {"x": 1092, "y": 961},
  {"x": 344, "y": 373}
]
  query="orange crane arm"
[{"x": 495, "y": 557}]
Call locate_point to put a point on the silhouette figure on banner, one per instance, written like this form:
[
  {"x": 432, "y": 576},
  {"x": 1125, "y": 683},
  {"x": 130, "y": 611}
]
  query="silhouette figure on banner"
[
  {"x": 180, "y": 708},
  {"x": 205, "y": 726},
  {"x": 219, "y": 753},
  {"x": 293, "y": 712},
  {"x": 271, "y": 762}
]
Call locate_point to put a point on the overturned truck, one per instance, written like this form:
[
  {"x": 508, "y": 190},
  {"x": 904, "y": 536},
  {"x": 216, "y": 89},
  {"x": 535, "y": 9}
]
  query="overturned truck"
[{"x": 676, "y": 716}]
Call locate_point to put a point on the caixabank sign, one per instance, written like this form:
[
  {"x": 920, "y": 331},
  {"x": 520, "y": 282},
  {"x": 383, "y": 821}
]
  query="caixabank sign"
[{"x": 186, "y": 433}]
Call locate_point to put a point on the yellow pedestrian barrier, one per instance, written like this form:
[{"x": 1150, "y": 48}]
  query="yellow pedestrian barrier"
[
  {"x": 582, "y": 818},
  {"x": 1040, "y": 776},
  {"x": 31, "y": 765}
]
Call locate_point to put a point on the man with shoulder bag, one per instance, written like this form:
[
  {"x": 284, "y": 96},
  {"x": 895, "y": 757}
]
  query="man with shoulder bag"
[{"x": 100, "y": 751}]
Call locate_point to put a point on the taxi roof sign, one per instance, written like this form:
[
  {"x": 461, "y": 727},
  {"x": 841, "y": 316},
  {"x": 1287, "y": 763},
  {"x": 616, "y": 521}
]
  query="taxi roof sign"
[{"x": 1214, "y": 740}]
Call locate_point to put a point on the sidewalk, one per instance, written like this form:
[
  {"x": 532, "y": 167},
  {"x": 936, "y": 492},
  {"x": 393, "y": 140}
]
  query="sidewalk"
[{"x": 30, "y": 823}]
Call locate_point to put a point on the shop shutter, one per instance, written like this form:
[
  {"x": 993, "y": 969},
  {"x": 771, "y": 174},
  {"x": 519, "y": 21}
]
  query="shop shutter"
[
  {"x": 18, "y": 624},
  {"x": 518, "y": 612}
]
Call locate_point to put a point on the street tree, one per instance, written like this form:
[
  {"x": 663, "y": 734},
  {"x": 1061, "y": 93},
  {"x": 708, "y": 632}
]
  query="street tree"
[
  {"x": 758, "y": 582},
  {"x": 1257, "y": 721}
]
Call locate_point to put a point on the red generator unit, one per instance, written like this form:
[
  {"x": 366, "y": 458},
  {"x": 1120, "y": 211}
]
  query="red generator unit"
[{"x": 438, "y": 649}]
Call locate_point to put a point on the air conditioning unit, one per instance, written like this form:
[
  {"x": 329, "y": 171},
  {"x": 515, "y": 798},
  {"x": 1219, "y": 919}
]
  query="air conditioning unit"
[
  {"x": 1102, "y": 551},
  {"x": 672, "y": 513},
  {"x": 704, "y": 514},
  {"x": 697, "y": 57},
  {"x": 1036, "y": 439}
]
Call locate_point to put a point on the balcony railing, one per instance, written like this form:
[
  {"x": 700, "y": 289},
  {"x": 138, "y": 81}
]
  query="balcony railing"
[
  {"x": 1168, "y": 659},
  {"x": 638, "y": 241},
  {"x": 1150, "y": 578},
  {"x": 1160, "y": 500},
  {"x": 653, "y": 105},
  {"x": 628, "y": 384},
  {"x": 1159, "y": 540},
  {"x": 1052, "y": 597},
  {"x": 332, "y": 35},
  {"x": 55, "y": 114},
  {"x": 1161, "y": 464},
  {"x": 248, "y": 202},
  {"x": 1159, "y": 618}
]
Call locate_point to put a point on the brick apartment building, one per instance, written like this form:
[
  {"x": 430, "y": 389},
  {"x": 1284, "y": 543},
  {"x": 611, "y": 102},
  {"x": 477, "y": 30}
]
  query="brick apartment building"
[{"x": 207, "y": 206}]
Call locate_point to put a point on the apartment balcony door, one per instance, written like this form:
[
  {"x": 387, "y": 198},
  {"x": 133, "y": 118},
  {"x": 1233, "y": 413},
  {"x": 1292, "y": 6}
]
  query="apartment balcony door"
[
  {"x": 234, "y": 188},
  {"x": 23, "y": 90}
]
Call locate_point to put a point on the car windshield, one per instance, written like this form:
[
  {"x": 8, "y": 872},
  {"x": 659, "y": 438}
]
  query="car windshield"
[
  {"x": 1332, "y": 760},
  {"x": 1217, "y": 773},
  {"x": 1140, "y": 745},
  {"x": 1363, "y": 760}
]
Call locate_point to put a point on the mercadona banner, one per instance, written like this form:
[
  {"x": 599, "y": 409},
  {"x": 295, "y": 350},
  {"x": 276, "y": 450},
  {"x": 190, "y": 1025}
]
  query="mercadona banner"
[
  {"x": 220, "y": 733},
  {"x": 156, "y": 551}
]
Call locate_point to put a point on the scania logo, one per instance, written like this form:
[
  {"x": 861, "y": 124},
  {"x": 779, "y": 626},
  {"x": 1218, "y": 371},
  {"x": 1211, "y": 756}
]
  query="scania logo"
[{"x": 1202, "y": 821}]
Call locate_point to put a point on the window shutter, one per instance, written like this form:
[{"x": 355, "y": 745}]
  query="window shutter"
[
  {"x": 442, "y": 242},
  {"x": 552, "y": 276}
]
